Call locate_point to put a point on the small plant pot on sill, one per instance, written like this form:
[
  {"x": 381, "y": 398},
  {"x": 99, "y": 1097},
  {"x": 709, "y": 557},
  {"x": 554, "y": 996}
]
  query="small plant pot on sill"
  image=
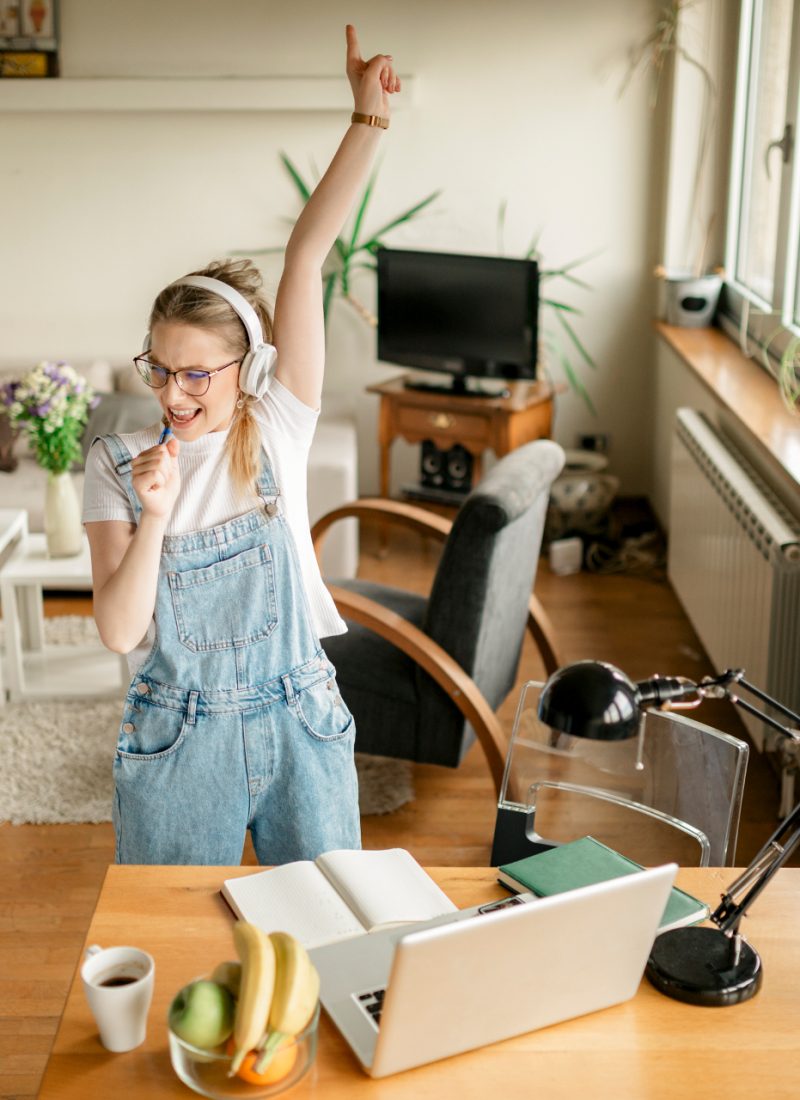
[{"x": 691, "y": 300}]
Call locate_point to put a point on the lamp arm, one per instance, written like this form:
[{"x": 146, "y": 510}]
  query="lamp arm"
[
  {"x": 767, "y": 861},
  {"x": 721, "y": 687},
  {"x": 772, "y": 702},
  {"x": 793, "y": 734}
]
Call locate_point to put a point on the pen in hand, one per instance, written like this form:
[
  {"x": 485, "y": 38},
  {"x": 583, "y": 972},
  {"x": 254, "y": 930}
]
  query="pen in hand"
[{"x": 166, "y": 432}]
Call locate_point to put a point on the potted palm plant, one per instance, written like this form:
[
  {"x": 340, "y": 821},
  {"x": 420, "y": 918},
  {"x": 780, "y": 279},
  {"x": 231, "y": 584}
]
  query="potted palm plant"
[
  {"x": 351, "y": 252},
  {"x": 559, "y": 335}
]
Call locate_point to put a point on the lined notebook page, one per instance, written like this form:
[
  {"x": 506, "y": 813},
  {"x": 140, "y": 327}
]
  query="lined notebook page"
[
  {"x": 385, "y": 887},
  {"x": 295, "y": 898}
]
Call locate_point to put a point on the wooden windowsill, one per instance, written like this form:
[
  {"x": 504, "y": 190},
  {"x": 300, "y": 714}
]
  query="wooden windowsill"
[{"x": 744, "y": 390}]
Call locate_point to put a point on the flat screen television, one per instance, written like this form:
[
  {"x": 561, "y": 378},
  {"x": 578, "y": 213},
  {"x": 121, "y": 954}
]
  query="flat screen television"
[{"x": 466, "y": 316}]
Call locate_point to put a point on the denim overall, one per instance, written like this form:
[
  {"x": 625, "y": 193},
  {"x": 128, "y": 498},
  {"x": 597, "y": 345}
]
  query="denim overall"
[{"x": 234, "y": 721}]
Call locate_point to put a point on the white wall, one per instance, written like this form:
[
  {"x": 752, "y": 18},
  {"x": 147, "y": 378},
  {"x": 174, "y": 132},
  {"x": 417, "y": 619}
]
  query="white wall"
[
  {"x": 514, "y": 100},
  {"x": 700, "y": 124}
]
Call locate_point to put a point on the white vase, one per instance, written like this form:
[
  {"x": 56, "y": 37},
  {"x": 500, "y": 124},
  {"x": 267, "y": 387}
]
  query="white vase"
[{"x": 62, "y": 516}]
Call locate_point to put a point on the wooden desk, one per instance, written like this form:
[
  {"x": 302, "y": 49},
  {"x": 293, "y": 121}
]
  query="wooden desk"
[
  {"x": 651, "y": 1048},
  {"x": 499, "y": 424}
]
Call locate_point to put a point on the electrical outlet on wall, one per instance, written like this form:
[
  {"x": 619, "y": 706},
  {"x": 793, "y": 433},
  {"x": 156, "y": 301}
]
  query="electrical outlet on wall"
[{"x": 598, "y": 441}]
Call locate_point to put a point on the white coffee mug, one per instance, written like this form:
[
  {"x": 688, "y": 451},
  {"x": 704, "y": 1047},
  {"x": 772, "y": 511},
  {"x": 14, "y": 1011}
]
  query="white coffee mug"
[{"x": 118, "y": 982}]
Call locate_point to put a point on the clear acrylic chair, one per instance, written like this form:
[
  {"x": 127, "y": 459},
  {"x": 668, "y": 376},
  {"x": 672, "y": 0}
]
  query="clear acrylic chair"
[{"x": 674, "y": 792}]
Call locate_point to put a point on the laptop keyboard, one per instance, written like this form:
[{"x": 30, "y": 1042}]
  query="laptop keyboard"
[{"x": 371, "y": 1003}]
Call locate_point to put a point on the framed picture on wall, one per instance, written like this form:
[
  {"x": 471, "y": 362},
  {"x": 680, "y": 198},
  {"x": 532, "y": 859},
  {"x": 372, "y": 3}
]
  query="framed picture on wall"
[
  {"x": 28, "y": 38},
  {"x": 39, "y": 21},
  {"x": 9, "y": 20}
]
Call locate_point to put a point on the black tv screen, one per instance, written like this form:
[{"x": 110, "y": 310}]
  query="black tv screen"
[{"x": 462, "y": 315}]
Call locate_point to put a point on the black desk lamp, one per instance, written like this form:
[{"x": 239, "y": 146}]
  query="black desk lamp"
[{"x": 706, "y": 966}]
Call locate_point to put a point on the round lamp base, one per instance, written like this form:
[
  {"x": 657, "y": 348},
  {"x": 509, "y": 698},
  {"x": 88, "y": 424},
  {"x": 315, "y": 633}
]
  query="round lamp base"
[{"x": 698, "y": 965}]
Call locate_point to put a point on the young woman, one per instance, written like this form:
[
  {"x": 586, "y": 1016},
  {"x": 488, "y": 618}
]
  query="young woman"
[{"x": 202, "y": 563}]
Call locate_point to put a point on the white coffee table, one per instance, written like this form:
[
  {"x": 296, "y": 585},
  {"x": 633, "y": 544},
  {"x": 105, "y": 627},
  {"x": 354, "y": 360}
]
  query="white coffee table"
[
  {"x": 34, "y": 670},
  {"x": 13, "y": 529}
]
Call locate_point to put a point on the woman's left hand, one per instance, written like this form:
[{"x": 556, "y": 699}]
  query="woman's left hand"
[{"x": 372, "y": 81}]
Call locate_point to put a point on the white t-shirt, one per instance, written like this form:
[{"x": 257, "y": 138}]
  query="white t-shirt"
[{"x": 207, "y": 496}]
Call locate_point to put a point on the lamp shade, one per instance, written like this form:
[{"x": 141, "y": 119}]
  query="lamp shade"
[{"x": 591, "y": 699}]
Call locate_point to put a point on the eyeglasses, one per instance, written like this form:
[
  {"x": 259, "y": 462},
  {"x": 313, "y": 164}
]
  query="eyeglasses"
[{"x": 191, "y": 381}]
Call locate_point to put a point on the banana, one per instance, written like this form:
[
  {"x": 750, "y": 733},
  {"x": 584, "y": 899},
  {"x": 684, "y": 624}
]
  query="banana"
[
  {"x": 257, "y": 954},
  {"x": 294, "y": 998}
]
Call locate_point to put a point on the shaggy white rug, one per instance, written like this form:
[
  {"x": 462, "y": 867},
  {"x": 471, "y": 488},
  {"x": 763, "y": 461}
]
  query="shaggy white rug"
[{"x": 57, "y": 755}]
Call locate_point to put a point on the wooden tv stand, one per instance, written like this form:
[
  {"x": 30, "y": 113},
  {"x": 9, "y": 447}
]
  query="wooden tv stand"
[{"x": 499, "y": 424}]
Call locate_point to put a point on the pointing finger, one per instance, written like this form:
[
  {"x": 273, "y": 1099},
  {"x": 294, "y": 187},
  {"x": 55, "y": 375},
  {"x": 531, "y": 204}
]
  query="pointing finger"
[{"x": 353, "y": 48}]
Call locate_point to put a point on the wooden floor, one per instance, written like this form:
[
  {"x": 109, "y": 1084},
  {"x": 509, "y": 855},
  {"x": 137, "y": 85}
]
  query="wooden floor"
[{"x": 50, "y": 875}]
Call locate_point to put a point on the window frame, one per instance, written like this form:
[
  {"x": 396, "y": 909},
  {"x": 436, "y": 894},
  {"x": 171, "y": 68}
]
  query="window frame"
[{"x": 761, "y": 327}]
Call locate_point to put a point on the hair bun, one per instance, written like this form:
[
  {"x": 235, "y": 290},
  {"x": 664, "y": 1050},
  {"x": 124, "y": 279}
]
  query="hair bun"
[{"x": 241, "y": 274}]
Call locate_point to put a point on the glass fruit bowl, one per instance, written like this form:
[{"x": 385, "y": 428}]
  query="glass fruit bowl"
[{"x": 206, "y": 1071}]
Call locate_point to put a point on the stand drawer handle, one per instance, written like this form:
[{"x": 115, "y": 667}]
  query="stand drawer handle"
[{"x": 442, "y": 420}]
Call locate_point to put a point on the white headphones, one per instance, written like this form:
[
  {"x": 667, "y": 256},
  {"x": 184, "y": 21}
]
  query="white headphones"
[{"x": 254, "y": 372}]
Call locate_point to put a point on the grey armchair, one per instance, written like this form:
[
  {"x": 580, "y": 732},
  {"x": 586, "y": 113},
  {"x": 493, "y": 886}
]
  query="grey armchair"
[{"x": 424, "y": 676}]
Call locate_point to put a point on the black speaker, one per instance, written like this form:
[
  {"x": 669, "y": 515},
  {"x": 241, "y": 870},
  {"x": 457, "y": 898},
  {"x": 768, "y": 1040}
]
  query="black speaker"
[
  {"x": 450, "y": 470},
  {"x": 458, "y": 470},
  {"x": 432, "y": 464}
]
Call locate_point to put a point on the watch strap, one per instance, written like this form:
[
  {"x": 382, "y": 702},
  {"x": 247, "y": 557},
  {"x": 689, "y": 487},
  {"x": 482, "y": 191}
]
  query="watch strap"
[{"x": 370, "y": 120}]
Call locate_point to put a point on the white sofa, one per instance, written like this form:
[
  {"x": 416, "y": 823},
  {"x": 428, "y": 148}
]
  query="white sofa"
[{"x": 127, "y": 405}]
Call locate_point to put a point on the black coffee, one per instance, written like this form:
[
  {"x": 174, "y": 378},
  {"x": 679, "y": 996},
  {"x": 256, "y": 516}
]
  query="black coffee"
[{"x": 123, "y": 979}]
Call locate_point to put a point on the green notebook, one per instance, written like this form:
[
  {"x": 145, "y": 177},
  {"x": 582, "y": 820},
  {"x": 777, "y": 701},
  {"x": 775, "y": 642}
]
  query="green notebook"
[{"x": 584, "y": 862}]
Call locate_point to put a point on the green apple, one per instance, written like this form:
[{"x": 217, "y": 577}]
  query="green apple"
[
  {"x": 202, "y": 1014},
  {"x": 228, "y": 974}
]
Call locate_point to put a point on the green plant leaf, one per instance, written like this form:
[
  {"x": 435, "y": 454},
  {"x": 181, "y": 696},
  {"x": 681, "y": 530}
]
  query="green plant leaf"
[
  {"x": 362, "y": 206},
  {"x": 363, "y": 265},
  {"x": 574, "y": 263},
  {"x": 533, "y": 247},
  {"x": 406, "y": 216},
  {"x": 561, "y": 305},
  {"x": 297, "y": 179},
  {"x": 584, "y": 354},
  {"x": 575, "y": 281},
  {"x": 575, "y": 381},
  {"x": 330, "y": 287}
]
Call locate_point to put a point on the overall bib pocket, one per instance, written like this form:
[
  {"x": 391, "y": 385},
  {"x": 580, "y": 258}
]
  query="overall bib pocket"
[
  {"x": 227, "y": 604},
  {"x": 323, "y": 713},
  {"x": 150, "y": 732}
]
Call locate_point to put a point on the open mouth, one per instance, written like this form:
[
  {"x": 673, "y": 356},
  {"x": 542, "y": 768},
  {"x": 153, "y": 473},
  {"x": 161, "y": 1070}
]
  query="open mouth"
[{"x": 181, "y": 418}]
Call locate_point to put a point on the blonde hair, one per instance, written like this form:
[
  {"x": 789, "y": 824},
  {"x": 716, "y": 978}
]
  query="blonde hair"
[{"x": 189, "y": 305}]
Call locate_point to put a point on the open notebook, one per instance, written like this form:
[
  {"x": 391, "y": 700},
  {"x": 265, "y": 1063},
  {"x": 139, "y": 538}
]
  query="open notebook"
[{"x": 339, "y": 895}]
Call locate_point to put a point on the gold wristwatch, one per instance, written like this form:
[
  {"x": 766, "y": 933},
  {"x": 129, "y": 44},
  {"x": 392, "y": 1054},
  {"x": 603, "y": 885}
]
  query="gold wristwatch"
[{"x": 370, "y": 120}]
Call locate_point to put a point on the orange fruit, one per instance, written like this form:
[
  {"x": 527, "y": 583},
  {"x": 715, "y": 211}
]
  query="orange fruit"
[{"x": 281, "y": 1065}]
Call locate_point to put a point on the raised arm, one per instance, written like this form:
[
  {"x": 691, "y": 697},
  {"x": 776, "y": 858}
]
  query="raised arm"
[{"x": 298, "y": 324}]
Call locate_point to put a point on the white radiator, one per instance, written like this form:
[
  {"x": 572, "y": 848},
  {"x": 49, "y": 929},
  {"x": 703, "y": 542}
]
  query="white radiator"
[{"x": 734, "y": 561}]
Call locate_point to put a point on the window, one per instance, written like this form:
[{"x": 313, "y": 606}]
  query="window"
[{"x": 763, "y": 243}]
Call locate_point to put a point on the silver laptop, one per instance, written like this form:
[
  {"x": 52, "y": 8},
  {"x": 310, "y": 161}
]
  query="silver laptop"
[{"x": 404, "y": 998}]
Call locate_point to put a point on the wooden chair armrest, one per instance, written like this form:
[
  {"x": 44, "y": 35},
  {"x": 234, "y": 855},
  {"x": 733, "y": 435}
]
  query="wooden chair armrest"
[
  {"x": 387, "y": 511},
  {"x": 434, "y": 660},
  {"x": 543, "y": 634}
]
